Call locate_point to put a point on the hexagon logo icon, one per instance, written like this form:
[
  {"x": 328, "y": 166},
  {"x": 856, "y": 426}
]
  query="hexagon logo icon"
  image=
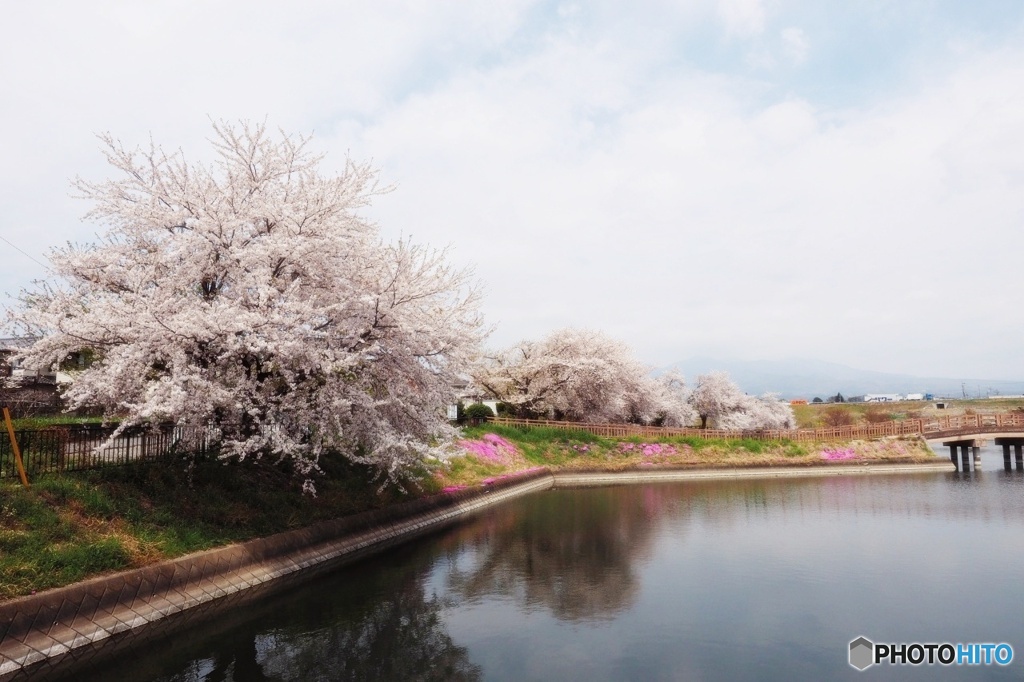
[{"x": 862, "y": 653}]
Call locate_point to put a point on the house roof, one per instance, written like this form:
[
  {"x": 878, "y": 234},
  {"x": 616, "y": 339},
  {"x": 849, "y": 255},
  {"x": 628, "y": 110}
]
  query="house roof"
[{"x": 17, "y": 342}]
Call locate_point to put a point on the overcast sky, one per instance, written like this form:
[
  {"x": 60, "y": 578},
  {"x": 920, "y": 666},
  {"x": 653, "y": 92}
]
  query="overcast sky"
[{"x": 746, "y": 179}]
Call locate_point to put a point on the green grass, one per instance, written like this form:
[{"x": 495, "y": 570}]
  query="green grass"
[
  {"x": 544, "y": 446},
  {"x": 42, "y": 543},
  {"x": 59, "y": 420},
  {"x": 566, "y": 448},
  {"x": 71, "y": 526},
  {"x": 469, "y": 470}
]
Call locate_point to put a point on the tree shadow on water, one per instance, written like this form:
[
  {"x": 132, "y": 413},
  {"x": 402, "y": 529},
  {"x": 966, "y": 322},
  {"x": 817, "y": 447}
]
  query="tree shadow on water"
[
  {"x": 574, "y": 555},
  {"x": 377, "y": 625}
]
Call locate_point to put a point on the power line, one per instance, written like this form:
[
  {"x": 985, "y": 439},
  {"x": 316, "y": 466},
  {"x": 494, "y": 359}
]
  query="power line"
[{"x": 47, "y": 267}]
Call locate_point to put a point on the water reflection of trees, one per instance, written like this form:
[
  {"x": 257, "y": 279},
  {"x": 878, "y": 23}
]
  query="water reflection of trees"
[
  {"x": 380, "y": 624},
  {"x": 573, "y": 552},
  {"x": 399, "y": 636}
]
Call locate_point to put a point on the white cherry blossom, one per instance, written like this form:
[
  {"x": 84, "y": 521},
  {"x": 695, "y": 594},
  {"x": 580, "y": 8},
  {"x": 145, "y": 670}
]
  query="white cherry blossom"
[
  {"x": 250, "y": 293},
  {"x": 581, "y": 375}
]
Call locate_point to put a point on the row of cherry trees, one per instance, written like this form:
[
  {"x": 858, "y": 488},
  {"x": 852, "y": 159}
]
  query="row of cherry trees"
[
  {"x": 248, "y": 293},
  {"x": 582, "y": 375}
]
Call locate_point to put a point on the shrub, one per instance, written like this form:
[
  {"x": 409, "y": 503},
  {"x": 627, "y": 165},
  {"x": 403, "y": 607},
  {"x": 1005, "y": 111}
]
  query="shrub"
[
  {"x": 836, "y": 416},
  {"x": 875, "y": 416},
  {"x": 478, "y": 412}
]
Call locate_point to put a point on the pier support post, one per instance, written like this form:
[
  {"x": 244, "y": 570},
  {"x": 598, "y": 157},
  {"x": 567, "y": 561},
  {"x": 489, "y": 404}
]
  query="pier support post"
[
  {"x": 1018, "y": 446},
  {"x": 969, "y": 449}
]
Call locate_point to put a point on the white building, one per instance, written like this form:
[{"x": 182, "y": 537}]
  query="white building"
[{"x": 9, "y": 367}]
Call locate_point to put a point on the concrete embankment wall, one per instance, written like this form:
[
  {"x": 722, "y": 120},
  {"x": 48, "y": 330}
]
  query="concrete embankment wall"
[
  {"x": 598, "y": 478},
  {"x": 62, "y": 630},
  {"x": 66, "y": 629}
]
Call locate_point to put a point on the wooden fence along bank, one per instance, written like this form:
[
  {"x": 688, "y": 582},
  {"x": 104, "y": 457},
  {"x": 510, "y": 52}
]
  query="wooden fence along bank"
[
  {"x": 931, "y": 429},
  {"x": 76, "y": 448}
]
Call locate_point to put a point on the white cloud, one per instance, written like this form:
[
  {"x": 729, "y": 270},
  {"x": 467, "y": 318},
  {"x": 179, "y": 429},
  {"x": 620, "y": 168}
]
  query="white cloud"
[
  {"x": 795, "y": 44},
  {"x": 594, "y": 176},
  {"x": 742, "y": 18},
  {"x": 735, "y": 229}
]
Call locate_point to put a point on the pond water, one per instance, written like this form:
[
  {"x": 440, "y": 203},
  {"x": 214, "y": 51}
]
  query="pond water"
[{"x": 715, "y": 580}]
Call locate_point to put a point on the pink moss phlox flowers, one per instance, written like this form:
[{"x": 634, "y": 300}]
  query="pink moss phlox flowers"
[
  {"x": 838, "y": 453},
  {"x": 649, "y": 449},
  {"x": 453, "y": 488},
  {"x": 490, "y": 447}
]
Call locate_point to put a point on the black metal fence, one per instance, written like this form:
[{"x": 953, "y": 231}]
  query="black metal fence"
[{"x": 80, "y": 447}]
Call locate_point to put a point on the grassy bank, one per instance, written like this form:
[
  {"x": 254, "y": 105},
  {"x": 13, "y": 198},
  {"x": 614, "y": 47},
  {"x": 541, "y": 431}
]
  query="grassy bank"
[
  {"x": 579, "y": 450},
  {"x": 58, "y": 420},
  {"x": 72, "y": 526}
]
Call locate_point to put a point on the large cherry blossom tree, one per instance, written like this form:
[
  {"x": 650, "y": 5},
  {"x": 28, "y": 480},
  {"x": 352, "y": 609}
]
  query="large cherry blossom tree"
[
  {"x": 757, "y": 413},
  {"x": 720, "y": 403},
  {"x": 713, "y": 396},
  {"x": 581, "y": 375},
  {"x": 250, "y": 294}
]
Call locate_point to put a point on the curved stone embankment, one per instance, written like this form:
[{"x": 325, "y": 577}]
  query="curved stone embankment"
[
  {"x": 594, "y": 478},
  {"x": 61, "y": 630}
]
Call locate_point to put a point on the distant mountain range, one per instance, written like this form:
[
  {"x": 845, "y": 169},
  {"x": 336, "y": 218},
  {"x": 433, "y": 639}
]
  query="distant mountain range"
[{"x": 815, "y": 378}]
